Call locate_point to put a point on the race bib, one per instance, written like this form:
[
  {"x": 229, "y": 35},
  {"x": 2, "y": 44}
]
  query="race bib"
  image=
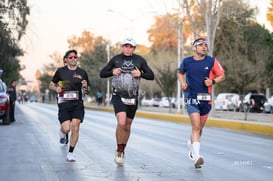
[
  {"x": 128, "y": 101},
  {"x": 71, "y": 95},
  {"x": 203, "y": 97}
]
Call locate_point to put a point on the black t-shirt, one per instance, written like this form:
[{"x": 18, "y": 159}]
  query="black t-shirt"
[
  {"x": 70, "y": 80},
  {"x": 12, "y": 93},
  {"x": 125, "y": 84}
]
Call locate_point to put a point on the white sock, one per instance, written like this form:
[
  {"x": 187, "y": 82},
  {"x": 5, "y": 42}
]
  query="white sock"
[
  {"x": 61, "y": 133},
  {"x": 196, "y": 149}
]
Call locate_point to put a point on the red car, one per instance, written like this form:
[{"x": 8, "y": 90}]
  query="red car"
[{"x": 4, "y": 103}]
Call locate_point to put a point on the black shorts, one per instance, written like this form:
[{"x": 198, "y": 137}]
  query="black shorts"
[
  {"x": 120, "y": 107},
  {"x": 70, "y": 110}
]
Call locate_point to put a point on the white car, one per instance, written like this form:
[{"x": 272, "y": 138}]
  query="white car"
[
  {"x": 268, "y": 105},
  {"x": 155, "y": 102},
  {"x": 227, "y": 102},
  {"x": 165, "y": 102},
  {"x": 146, "y": 102}
]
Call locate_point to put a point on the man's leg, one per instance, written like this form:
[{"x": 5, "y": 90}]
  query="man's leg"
[
  {"x": 120, "y": 137},
  {"x": 75, "y": 126},
  {"x": 195, "y": 138},
  {"x": 127, "y": 130},
  {"x": 120, "y": 130},
  {"x": 11, "y": 111},
  {"x": 64, "y": 130}
]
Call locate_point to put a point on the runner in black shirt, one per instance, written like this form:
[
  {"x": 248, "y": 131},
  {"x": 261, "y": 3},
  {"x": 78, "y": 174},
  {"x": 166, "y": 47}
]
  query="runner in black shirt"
[
  {"x": 127, "y": 69},
  {"x": 70, "y": 82}
]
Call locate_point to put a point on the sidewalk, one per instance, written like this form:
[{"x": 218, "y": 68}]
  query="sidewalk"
[{"x": 259, "y": 123}]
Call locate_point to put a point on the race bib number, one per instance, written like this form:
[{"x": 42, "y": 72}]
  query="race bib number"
[
  {"x": 128, "y": 101},
  {"x": 71, "y": 95},
  {"x": 203, "y": 97}
]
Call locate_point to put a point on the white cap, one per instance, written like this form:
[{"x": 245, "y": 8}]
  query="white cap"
[{"x": 129, "y": 41}]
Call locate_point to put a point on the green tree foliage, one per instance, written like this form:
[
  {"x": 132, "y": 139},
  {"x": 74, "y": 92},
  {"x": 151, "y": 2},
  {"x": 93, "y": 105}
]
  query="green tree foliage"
[
  {"x": 92, "y": 62},
  {"x": 166, "y": 80},
  {"x": 46, "y": 76},
  {"x": 244, "y": 54},
  {"x": 13, "y": 23}
]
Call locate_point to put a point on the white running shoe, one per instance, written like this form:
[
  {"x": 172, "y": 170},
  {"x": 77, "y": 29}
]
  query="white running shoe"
[
  {"x": 119, "y": 158},
  {"x": 190, "y": 154},
  {"x": 70, "y": 157},
  {"x": 199, "y": 162}
]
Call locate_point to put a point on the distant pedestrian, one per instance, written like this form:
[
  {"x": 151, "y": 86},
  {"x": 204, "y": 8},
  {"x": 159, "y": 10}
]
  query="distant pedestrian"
[
  {"x": 12, "y": 97},
  {"x": 197, "y": 74},
  {"x": 43, "y": 98},
  {"x": 126, "y": 69},
  {"x": 99, "y": 97}
]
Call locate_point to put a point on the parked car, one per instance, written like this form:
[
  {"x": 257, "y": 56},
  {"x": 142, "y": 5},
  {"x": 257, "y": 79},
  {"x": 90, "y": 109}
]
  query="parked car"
[
  {"x": 164, "y": 102},
  {"x": 155, "y": 102},
  {"x": 4, "y": 102},
  {"x": 268, "y": 105},
  {"x": 33, "y": 98},
  {"x": 174, "y": 102},
  {"x": 253, "y": 102},
  {"x": 146, "y": 101},
  {"x": 227, "y": 102}
]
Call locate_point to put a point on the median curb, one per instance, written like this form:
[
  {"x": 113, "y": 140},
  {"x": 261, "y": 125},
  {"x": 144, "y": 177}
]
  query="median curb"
[{"x": 245, "y": 126}]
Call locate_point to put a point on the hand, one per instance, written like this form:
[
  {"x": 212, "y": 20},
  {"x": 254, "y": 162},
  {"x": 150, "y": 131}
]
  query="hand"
[
  {"x": 208, "y": 82},
  {"x": 58, "y": 89},
  {"x": 84, "y": 84},
  {"x": 117, "y": 71},
  {"x": 136, "y": 72},
  {"x": 184, "y": 86}
]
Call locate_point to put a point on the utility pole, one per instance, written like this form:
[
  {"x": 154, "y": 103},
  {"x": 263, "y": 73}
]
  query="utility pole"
[
  {"x": 108, "y": 81},
  {"x": 179, "y": 40}
]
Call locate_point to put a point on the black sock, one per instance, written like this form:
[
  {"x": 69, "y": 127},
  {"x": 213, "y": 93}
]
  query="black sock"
[{"x": 71, "y": 149}]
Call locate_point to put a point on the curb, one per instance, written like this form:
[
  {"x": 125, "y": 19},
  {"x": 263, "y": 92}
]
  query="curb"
[{"x": 256, "y": 128}]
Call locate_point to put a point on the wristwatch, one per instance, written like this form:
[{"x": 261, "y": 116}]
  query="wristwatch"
[{"x": 213, "y": 81}]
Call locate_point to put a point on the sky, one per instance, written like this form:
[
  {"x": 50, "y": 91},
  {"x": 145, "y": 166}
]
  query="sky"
[{"x": 52, "y": 22}]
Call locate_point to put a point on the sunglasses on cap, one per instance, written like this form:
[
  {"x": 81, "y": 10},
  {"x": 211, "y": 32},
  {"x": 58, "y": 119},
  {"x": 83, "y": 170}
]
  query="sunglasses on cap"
[
  {"x": 200, "y": 41},
  {"x": 70, "y": 57}
]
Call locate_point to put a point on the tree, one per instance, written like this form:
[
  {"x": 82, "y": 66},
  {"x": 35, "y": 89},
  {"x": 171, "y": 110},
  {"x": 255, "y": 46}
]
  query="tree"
[
  {"x": 244, "y": 61},
  {"x": 269, "y": 14},
  {"x": 166, "y": 80},
  {"x": 93, "y": 61},
  {"x": 13, "y": 23},
  {"x": 84, "y": 43},
  {"x": 163, "y": 35}
]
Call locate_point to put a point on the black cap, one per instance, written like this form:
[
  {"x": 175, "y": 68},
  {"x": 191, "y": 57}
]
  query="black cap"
[{"x": 70, "y": 51}]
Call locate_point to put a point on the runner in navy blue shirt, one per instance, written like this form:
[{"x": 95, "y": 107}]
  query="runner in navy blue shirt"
[{"x": 197, "y": 74}]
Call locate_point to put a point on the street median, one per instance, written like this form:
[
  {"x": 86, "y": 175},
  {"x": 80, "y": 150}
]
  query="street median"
[{"x": 245, "y": 126}]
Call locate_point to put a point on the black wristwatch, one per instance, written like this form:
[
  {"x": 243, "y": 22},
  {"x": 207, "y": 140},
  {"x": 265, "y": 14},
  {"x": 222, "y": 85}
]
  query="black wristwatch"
[{"x": 213, "y": 81}]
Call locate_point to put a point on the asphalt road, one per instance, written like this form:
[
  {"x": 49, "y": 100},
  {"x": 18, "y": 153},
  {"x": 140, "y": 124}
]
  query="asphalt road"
[{"x": 156, "y": 151}]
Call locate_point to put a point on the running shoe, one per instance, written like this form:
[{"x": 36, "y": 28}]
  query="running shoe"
[
  {"x": 119, "y": 158},
  {"x": 64, "y": 140},
  {"x": 199, "y": 162},
  {"x": 190, "y": 154},
  {"x": 70, "y": 157}
]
